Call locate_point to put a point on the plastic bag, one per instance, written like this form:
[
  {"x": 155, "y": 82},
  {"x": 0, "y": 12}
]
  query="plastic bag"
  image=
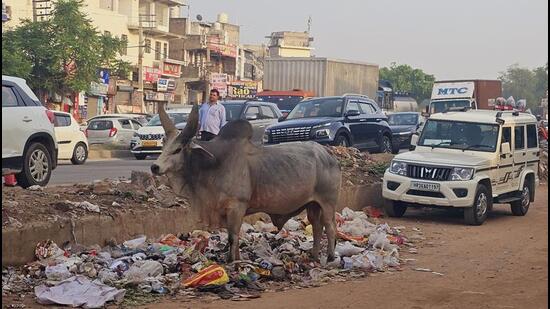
[
  {"x": 211, "y": 275},
  {"x": 142, "y": 270},
  {"x": 292, "y": 225},
  {"x": 57, "y": 272},
  {"x": 135, "y": 243},
  {"x": 347, "y": 249}
]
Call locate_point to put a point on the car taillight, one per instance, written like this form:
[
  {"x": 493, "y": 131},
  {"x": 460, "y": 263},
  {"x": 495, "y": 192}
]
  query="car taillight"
[
  {"x": 51, "y": 116},
  {"x": 112, "y": 132},
  {"x": 86, "y": 132}
]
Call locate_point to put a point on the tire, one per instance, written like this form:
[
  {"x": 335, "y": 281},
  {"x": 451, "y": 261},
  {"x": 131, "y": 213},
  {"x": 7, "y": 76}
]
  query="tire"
[
  {"x": 386, "y": 145},
  {"x": 521, "y": 207},
  {"x": 80, "y": 154},
  {"x": 341, "y": 140},
  {"x": 395, "y": 209},
  {"x": 395, "y": 149},
  {"x": 37, "y": 166},
  {"x": 140, "y": 156},
  {"x": 477, "y": 213}
]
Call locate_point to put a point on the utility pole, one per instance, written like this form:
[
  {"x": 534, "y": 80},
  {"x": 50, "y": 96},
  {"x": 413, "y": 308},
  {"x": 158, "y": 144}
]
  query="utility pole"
[{"x": 140, "y": 67}]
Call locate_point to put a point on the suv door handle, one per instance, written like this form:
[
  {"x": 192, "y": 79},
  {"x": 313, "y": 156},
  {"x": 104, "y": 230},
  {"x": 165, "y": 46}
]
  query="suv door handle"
[{"x": 27, "y": 119}]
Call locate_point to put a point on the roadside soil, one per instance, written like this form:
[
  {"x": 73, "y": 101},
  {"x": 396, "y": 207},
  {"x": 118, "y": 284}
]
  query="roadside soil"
[{"x": 501, "y": 264}]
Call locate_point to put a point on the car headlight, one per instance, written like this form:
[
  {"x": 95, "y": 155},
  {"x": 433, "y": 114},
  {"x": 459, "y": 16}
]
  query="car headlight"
[
  {"x": 324, "y": 125},
  {"x": 265, "y": 138},
  {"x": 136, "y": 134},
  {"x": 322, "y": 133},
  {"x": 460, "y": 173},
  {"x": 399, "y": 168}
]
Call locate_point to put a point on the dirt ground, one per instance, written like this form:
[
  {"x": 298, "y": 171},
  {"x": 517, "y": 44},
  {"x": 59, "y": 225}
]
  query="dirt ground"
[{"x": 501, "y": 264}]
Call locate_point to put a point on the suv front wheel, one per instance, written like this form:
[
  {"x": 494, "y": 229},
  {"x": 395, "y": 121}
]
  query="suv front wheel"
[
  {"x": 37, "y": 166},
  {"x": 341, "y": 140},
  {"x": 477, "y": 213},
  {"x": 386, "y": 145},
  {"x": 394, "y": 208}
]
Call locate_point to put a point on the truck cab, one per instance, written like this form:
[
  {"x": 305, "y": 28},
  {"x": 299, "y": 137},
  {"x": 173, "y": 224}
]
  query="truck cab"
[
  {"x": 473, "y": 94},
  {"x": 469, "y": 159}
]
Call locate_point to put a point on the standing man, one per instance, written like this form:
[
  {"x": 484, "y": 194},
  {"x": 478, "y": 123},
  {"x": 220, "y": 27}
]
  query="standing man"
[{"x": 211, "y": 117}]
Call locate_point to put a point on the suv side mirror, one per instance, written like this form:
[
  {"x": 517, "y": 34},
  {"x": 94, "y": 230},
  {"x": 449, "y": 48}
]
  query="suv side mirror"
[
  {"x": 414, "y": 142},
  {"x": 252, "y": 117},
  {"x": 505, "y": 149},
  {"x": 352, "y": 113},
  {"x": 282, "y": 118}
]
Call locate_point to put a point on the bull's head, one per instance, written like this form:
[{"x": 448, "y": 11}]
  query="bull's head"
[{"x": 178, "y": 146}]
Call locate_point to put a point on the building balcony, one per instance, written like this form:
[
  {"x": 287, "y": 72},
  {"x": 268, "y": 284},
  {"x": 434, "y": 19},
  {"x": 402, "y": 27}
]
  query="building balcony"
[
  {"x": 192, "y": 73},
  {"x": 172, "y": 2},
  {"x": 152, "y": 29}
]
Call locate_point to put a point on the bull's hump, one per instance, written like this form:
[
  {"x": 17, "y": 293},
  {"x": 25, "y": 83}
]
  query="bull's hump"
[{"x": 239, "y": 129}]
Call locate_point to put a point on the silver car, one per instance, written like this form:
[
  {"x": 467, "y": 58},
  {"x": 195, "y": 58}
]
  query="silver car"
[{"x": 115, "y": 131}]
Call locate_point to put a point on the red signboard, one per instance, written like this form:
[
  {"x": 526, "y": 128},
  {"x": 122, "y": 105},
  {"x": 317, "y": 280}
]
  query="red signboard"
[
  {"x": 217, "y": 45},
  {"x": 151, "y": 74},
  {"x": 171, "y": 69}
]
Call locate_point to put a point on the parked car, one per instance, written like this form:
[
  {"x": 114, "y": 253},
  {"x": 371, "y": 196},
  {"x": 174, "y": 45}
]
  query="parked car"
[
  {"x": 470, "y": 160},
  {"x": 71, "y": 141},
  {"x": 114, "y": 131},
  {"x": 29, "y": 147},
  {"x": 143, "y": 119},
  {"x": 404, "y": 125},
  {"x": 259, "y": 114},
  {"x": 349, "y": 120},
  {"x": 148, "y": 140}
]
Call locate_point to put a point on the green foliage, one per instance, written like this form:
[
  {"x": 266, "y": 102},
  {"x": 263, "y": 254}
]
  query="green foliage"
[
  {"x": 64, "y": 52},
  {"x": 523, "y": 83},
  {"x": 405, "y": 78}
]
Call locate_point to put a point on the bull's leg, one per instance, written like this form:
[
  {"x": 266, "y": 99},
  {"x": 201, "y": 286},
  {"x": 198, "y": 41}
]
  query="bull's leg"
[
  {"x": 314, "y": 217},
  {"x": 328, "y": 219},
  {"x": 235, "y": 216}
]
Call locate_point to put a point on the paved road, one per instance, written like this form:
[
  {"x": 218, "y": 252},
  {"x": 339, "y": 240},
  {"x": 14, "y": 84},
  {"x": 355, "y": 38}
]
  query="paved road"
[{"x": 66, "y": 173}]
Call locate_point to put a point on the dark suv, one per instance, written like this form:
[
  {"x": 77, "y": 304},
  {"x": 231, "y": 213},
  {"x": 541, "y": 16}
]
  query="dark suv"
[
  {"x": 348, "y": 120},
  {"x": 259, "y": 114}
]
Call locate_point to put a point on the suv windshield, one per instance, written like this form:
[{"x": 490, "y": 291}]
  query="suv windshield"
[
  {"x": 402, "y": 119},
  {"x": 330, "y": 107},
  {"x": 233, "y": 111},
  {"x": 176, "y": 118},
  {"x": 441, "y": 106},
  {"x": 459, "y": 135}
]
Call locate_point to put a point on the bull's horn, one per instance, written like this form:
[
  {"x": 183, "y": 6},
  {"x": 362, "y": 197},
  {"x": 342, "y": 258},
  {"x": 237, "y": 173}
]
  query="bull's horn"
[
  {"x": 192, "y": 125},
  {"x": 167, "y": 124}
]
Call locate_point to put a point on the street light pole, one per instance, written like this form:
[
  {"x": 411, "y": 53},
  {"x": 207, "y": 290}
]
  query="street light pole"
[{"x": 140, "y": 67}]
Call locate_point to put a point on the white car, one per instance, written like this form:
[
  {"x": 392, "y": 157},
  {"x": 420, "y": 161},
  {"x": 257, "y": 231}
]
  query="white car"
[
  {"x": 29, "y": 147},
  {"x": 470, "y": 160},
  {"x": 148, "y": 140},
  {"x": 141, "y": 118},
  {"x": 71, "y": 141},
  {"x": 113, "y": 131}
]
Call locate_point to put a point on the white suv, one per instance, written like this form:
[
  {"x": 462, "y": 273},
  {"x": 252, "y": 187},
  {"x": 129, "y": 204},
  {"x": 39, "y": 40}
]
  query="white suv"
[
  {"x": 29, "y": 147},
  {"x": 468, "y": 159}
]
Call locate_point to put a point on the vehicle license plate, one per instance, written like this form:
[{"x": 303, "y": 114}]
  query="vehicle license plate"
[
  {"x": 149, "y": 143},
  {"x": 425, "y": 186}
]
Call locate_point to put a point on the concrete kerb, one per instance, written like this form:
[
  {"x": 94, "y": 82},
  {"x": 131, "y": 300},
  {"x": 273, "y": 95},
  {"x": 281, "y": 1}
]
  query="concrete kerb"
[{"x": 18, "y": 244}]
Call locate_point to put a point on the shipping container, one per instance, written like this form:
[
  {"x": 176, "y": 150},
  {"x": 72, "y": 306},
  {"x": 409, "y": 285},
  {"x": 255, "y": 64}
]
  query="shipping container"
[
  {"x": 322, "y": 76},
  {"x": 475, "y": 93}
]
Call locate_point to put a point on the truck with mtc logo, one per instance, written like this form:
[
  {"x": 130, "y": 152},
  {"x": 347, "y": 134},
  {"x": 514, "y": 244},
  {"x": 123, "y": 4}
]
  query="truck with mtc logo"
[{"x": 474, "y": 94}]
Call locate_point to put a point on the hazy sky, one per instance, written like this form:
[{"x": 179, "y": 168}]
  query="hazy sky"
[{"x": 450, "y": 39}]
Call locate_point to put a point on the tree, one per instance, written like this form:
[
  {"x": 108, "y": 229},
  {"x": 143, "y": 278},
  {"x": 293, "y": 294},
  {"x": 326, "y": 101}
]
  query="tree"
[
  {"x": 407, "y": 79},
  {"x": 65, "y": 52},
  {"x": 522, "y": 83}
]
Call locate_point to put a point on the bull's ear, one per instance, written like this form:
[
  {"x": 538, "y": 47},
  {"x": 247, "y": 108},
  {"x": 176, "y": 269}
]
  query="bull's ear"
[{"x": 205, "y": 156}]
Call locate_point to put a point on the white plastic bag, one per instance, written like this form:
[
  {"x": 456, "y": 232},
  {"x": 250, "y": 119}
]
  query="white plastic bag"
[{"x": 347, "y": 249}]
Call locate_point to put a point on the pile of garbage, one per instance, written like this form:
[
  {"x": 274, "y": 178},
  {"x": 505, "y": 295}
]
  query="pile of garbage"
[
  {"x": 21, "y": 207},
  {"x": 195, "y": 264},
  {"x": 543, "y": 166},
  {"x": 359, "y": 168}
]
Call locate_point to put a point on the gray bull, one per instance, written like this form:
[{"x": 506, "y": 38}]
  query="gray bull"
[{"x": 229, "y": 178}]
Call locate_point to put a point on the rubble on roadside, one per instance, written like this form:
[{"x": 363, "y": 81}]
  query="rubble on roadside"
[
  {"x": 109, "y": 197},
  {"x": 195, "y": 264},
  {"x": 360, "y": 168}
]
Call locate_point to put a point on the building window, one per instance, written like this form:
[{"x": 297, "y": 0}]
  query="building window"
[
  {"x": 106, "y": 4},
  {"x": 165, "y": 51},
  {"x": 124, "y": 50},
  {"x": 148, "y": 46},
  {"x": 157, "y": 50}
]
